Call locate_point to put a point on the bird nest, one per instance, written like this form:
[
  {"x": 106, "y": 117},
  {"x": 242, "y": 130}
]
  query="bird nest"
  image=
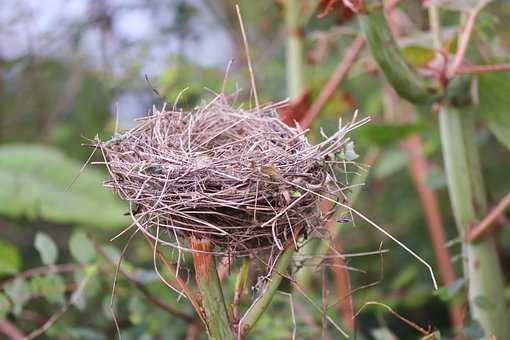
[{"x": 241, "y": 179}]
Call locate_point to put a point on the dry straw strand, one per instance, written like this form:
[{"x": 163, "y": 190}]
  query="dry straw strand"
[{"x": 224, "y": 174}]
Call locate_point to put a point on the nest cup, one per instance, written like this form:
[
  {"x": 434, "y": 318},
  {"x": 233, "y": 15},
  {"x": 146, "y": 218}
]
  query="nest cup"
[{"x": 241, "y": 179}]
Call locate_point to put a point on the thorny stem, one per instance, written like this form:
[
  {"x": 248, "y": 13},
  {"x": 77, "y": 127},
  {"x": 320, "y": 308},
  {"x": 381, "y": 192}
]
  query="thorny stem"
[
  {"x": 484, "y": 226},
  {"x": 258, "y": 308},
  {"x": 465, "y": 185},
  {"x": 211, "y": 294},
  {"x": 404, "y": 79}
]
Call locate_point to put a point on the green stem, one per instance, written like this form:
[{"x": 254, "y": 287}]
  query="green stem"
[
  {"x": 208, "y": 283},
  {"x": 240, "y": 287},
  {"x": 260, "y": 305},
  {"x": 435, "y": 26},
  {"x": 384, "y": 49},
  {"x": 294, "y": 64},
  {"x": 482, "y": 270}
]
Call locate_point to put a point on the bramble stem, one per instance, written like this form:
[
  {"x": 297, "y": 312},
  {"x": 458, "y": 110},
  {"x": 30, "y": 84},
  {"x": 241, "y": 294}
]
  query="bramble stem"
[
  {"x": 482, "y": 270},
  {"x": 208, "y": 283},
  {"x": 260, "y": 305},
  {"x": 384, "y": 49}
]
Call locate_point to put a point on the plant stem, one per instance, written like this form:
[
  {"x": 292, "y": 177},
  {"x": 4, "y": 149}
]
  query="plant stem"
[
  {"x": 435, "y": 26},
  {"x": 208, "y": 283},
  {"x": 403, "y": 78},
  {"x": 488, "y": 222},
  {"x": 240, "y": 287},
  {"x": 260, "y": 305},
  {"x": 482, "y": 270},
  {"x": 295, "y": 76},
  {"x": 351, "y": 54}
]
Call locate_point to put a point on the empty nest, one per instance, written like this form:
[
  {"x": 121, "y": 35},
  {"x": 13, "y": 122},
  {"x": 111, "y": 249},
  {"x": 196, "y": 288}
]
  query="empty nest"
[{"x": 242, "y": 179}]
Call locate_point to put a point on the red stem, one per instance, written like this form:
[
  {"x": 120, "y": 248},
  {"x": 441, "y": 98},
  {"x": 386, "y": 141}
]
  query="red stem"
[
  {"x": 335, "y": 80},
  {"x": 419, "y": 167},
  {"x": 483, "y": 68},
  {"x": 485, "y": 225}
]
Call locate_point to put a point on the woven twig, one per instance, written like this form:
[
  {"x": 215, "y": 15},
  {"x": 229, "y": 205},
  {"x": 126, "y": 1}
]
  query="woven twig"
[{"x": 224, "y": 174}]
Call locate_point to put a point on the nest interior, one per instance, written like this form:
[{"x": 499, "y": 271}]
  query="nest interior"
[{"x": 242, "y": 179}]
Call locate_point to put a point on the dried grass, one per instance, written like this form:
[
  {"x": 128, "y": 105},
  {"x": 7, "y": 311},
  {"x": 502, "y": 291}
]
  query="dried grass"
[{"x": 232, "y": 176}]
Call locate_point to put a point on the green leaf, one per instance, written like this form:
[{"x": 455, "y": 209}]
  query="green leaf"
[
  {"x": 10, "y": 259},
  {"x": 81, "y": 248},
  {"x": 19, "y": 293},
  {"x": 484, "y": 302},
  {"x": 46, "y": 248},
  {"x": 494, "y": 94},
  {"x": 5, "y": 305},
  {"x": 83, "y": 333},
  {"x": 390, "y": 162},
  {"x": 384, "y": 134},
  {"x": 35, "y": 184},
  {"x": 404, "y": 277},
  {"x": 450, "y": 292},
  {"x": 418, "y": 55},
  {"x": 137, "y": 310},
  {"x": 383, "y": 333},
  {"x": 51, "y": 287},
  {"x": 473, "y": 330}
]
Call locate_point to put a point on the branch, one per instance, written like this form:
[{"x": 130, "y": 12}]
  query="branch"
[
  {"x": 10, "y": 330},
  {"x": 418, "y": 167},
  {"x": 211, "y": 294},
  {"x": 465, "y": 36},
  {"x": 152, "y": 299},
  {"x": 483, "y": 227},
  {"x": 52, "y": 269},
  {"x": 260, "y": 305},
  {"x": 184, "y": 287},
  {"x": 398, "y": 316},
  {"x": 54, "y": 318},
  {"x": 404, "y": 79},
  {"x": 335, "y": 80},
  {"x": 342, "y": 282},
  {"x": 469, "y": 69}
]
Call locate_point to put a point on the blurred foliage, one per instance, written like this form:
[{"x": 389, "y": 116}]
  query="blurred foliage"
[
  {"x": 56, "y": 220},
  {"x": 40, "y": 184}
]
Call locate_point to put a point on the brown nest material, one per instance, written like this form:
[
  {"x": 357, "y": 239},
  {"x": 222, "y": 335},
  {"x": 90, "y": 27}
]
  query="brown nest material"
[{"x": 242, "y": 179}]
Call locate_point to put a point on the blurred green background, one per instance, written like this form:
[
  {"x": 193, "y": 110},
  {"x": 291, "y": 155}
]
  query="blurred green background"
[{"x": 74, "y": 70}]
